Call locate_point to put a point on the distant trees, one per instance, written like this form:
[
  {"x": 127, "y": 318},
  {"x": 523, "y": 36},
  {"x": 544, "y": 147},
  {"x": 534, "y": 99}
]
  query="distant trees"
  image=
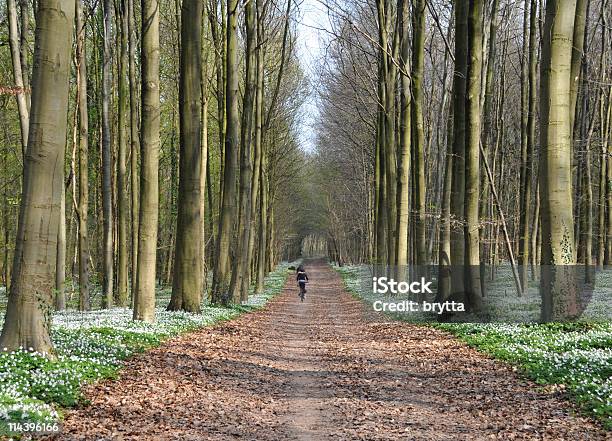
[
  {"x": 469, "y": 214},
  {"x": 161, "y": 192}
]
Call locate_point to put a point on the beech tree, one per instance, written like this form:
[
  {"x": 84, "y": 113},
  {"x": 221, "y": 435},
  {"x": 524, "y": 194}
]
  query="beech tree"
[
  {"x": 144, "y": 296},
  {"x": 107, "y": 189},
  {"x": 31, "y": 293},
  {"x": 187, "y": 281},
  {"x": 418, "y": 135},
  {"x": 83, "y": 140},
  {"x": 557, "y": 284},
  {"x": 239, "y": 289},
  {"x": 222, "y": 272},
  {"x": 122, "y": 188},
  {"x": 472, "y": 156}
]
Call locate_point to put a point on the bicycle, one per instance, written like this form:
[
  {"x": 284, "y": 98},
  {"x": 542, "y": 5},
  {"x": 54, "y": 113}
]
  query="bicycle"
[{"x": 302, "y": 293}]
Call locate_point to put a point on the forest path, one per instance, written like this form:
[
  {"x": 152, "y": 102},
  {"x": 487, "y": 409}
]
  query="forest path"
[{"x": 325, "y": 369}]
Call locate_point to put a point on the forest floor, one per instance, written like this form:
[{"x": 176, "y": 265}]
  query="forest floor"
[{"x": 327, "y": 368}]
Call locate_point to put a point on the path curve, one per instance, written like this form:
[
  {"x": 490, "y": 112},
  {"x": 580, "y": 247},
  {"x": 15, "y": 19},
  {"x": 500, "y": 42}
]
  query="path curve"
[{"x": 325, "y": 369}]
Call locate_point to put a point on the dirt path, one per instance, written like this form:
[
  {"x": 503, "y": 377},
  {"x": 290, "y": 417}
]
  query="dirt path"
[{"x": 325, "y": 369}]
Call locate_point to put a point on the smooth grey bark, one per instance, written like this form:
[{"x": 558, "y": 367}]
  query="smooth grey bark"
[
  {"x": 239, "y": 287},
  {"x": 28, "y": 313},
  {"x": 531, "y": 130},
  {"x": 418, "y": 130},
  {"x": 557, "y": 282},
  {"x": 472, "y": 157},
  {"x": 83, "y": 138},
  {"x": 144, "y": 297},
  {"x": 260, "y": 271},
  {"x": 459, "y": 137},
  {"x": 403, "y": 182},
  {"x": 222, "y": 272},
  {"x": 123, "y": 202},
  {"x": 187, "y": 280},
  {"x": 107, "y": 159},
  {"x": 134, "y": 141},
  {"x": 60, "y": 266}
]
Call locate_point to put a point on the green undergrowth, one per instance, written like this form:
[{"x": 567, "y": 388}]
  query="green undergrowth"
[
  {"x": 573, "y": 358},
  {"x": 90, "y": 346}
]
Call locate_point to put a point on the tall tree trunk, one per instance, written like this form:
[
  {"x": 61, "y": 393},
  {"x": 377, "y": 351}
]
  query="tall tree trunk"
[
  {"x": 535, "y": 233},
  {"x": 123, "y": 203},
  {"x": 605, "y": 188},
  {"x": 257, "y": 147},
  {"x": 557, "y": 284},
  {"x": 586, "y": 131},
  {"x": 6, "y": 213},
  {"x": 403, "y": 182},
  {"x": 608, "y": 258},
  {"x": 389, "y": 82},
  {"x": 60, "y": 266},
  {"x": 237, "y": 292},
  {"x": 531, "y": 133},
  {"x": 604, "y": 133},
  {"x": 204, "y": 153},
  {"x": 588, "y": 227},
  {"x": 187, "y": 280},
  {"x": 444, "y": 247},
  {"x": 107, "y": 158},
  {"x": 18, "y": 74},
  {"x": 27, "y": 319},
  {"x": 418, "y": 145},
  {"x": 527, "y": 60},
  {"x": 144, "y": 297},
  {"x": 472, "y": 156},
  {"x": 488, "y": 105},
  {"x": 218, "y": 36},
  {"x": 134, "y": 141},
  {"x": 379, "y": 178},
  {"x": 386, "y": 131},
  {"x": 84, "y": 302},
  {"x": 263, "y": 216},
  {"x": 459, "y": 137},
  {"x": 260, "y": 271},
  {"x": 222, "y": 275},
  {"x": 24, "y": 47}
]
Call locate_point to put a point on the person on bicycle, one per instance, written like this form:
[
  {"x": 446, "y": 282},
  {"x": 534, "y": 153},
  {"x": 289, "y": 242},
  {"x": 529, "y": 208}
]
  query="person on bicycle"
[{"x": 302, "y": 279}]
